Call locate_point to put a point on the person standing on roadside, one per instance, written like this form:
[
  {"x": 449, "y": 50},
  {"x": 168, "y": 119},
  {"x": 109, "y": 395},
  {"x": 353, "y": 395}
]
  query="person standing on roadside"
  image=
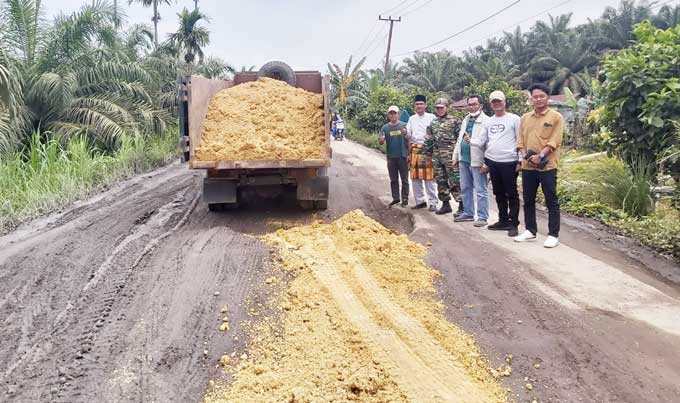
[
  {"x": 396, "y": 149},
  {"x": 471, "y": 160},
  {"x": 501, "y": 161},
  {"x": 420, "y": 165},
  {"x": 539, "y": 143},
  {"x": 440, "y": 143}
]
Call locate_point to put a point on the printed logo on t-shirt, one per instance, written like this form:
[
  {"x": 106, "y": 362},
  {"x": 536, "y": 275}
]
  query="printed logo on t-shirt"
[
  {"x": 395, "y": 133},
  {"x": 497, "y": 128}
]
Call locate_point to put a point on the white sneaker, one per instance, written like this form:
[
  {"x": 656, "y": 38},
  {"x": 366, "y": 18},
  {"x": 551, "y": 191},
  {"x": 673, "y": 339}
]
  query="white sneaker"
[
  {"x": 551, "y": 242},
  {"x": 525, "y": 236}
]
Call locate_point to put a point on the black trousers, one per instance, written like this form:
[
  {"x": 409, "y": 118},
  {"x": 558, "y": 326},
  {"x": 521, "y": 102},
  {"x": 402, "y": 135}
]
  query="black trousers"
[
  {"x": 398, "y": 167},
  {"x": 548, "y": 181},
  {"x": 504, "y": 182}
]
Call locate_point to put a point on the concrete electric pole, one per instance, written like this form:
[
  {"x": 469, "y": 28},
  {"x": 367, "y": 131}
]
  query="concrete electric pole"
[{"x": 389, "y": 39}]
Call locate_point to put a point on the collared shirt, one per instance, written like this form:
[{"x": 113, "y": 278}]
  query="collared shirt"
[
  {"x": 416, "y": 128},
  {"x": 538, "y": 130}
]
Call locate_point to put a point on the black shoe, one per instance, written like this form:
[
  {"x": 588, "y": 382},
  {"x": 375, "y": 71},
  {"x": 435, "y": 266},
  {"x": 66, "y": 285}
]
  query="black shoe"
[
  {"x": 404, "y": 203},
  {"x": 512, "y": 232},
  {"x": 445, "y": 208},
  {"x": 460, "y": 209},
  {"x": 499, "y": 226},
  {"x": 395, "y": 201},
  {"x": 419, "y": 206}
]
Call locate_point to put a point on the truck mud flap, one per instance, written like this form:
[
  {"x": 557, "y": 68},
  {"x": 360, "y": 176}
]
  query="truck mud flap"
[
  {"x": 219, "y": 190},
  {"x": 314, "y": 188}
]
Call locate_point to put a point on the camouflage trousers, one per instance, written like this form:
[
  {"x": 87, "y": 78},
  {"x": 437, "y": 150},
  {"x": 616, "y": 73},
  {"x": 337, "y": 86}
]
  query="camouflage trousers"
[{"x": 447, "y": 177}]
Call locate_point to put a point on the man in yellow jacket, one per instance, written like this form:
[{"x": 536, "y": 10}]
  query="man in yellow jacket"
[{"x": 539, "y": 142}]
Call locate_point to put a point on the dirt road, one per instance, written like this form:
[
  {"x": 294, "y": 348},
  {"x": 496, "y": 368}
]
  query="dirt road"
[{"x": 119, "y": 297}]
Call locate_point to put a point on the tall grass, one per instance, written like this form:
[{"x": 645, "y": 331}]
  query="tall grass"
[
  {"x": 610, "y": 182},
  {"x": 48, "y": 174}
]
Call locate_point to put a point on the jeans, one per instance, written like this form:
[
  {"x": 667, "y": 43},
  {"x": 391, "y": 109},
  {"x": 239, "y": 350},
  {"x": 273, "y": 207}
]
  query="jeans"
[
  {"x": 473, "y": 181},
  {"x": 398, "y": 167},
  {"x": 548, "y": 181},
  {"x": 504, "y": 182}
]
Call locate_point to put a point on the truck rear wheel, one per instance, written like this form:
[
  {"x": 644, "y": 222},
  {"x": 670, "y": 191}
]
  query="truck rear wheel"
[{"x": 278, "y": 71}]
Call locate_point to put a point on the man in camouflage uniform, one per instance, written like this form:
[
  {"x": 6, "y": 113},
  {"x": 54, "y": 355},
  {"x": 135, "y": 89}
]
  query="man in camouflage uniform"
[{"x": 442, "y": 135}]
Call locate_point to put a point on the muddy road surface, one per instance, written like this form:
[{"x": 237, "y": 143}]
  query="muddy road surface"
[{"x": 120, "y": 297}]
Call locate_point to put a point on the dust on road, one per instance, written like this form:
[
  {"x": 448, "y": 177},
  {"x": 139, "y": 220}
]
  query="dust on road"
[{"x": 360, "y": 322}]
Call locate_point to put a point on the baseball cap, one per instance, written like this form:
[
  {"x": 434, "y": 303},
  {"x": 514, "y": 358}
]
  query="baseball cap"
[
  {"x": 442, "y": 102},
  {"x": 497, "y": 95},
  {"x": 393, "y": 108}
]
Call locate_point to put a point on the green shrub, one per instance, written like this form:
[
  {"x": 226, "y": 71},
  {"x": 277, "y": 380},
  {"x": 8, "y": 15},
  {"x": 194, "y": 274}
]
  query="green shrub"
[
  {"x": 659, "y": 233},
  {"x": 363, "y": 137},
  {"x": 374, "y": 116},
  {"x": 641, "y": 95}
]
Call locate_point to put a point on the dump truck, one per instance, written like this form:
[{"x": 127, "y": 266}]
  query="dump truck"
[{"x": 227, "y": 181}]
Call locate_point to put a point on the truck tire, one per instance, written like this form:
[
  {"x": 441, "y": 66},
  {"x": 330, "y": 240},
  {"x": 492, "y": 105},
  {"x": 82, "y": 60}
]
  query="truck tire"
[{"x": 278, "y": 71}]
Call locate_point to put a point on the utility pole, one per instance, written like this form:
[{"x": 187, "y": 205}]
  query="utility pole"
[
  {"x": 195, "y": 4},
  {"x": 389, "y": 39}
]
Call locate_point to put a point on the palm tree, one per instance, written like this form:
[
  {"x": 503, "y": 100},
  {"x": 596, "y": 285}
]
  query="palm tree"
[
  {"x": 550, "y": 32},
  {"x": 190, "y": 37},
  {"x": 342, "y": 80},
  {"x": 156, "y": 17},
  {"x": 67, "y": 86},
  {"x": 667, "y": 17},
  {"x": 435, "y": 72},
  {"x": 517, "y": 47},
  {"x": 213, "y": 67},
  {"x": 560, "y": 66},
  {"x": 618, "y": 23}
]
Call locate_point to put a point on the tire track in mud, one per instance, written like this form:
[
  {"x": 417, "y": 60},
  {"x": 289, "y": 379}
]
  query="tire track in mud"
[
  {"x": 53, "y": 315},
  {"x": 99, "y": 305}
]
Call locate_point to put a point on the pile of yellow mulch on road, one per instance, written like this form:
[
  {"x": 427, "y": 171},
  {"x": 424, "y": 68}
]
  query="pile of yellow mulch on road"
[
  {"x": 359, "y": 323},
  {"x": 263, "y": 120}
]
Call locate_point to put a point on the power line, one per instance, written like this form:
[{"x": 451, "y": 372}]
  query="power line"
[
  {"x": 662, "y": 4},
  {"x": 463, "y": 30},
  {"x": 375, "y": 25},
  {"x": 417, "y": 8},
  {"x": 389, "y": 40},
  {"x": 394, "y": 8},
  {"x": 547, "y": 10},
  {"x": 376, "y": 47},
  {"x": 372, "y": 42}
]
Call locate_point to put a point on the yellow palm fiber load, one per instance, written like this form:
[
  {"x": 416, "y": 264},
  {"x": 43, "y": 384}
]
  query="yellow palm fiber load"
[{"x": 263, "y": 120}]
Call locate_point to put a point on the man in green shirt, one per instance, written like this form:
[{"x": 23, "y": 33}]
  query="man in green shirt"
[{"x": 396, "y": 148}]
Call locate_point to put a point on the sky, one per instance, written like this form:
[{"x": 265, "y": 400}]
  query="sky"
[{"x": 307, "y": 34}]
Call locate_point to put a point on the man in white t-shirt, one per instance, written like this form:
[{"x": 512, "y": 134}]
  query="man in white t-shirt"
[
  {"x": 420, "y": 165},
  {"x": 501, "y": 161}
]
